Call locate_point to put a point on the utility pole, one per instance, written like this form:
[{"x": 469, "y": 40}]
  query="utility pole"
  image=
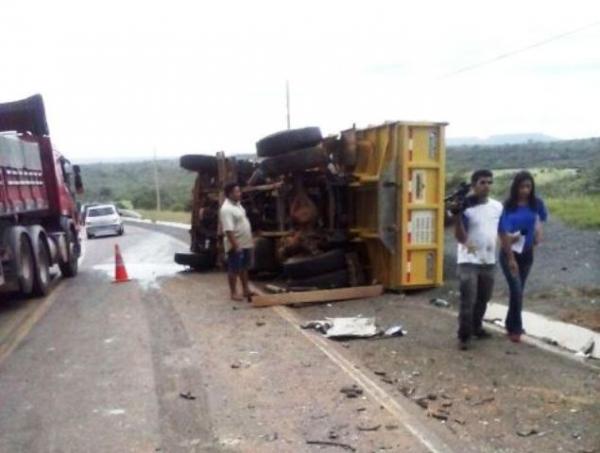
[
  {"x": 156, "y": 185},
  {"x": 287, "y": 101}
]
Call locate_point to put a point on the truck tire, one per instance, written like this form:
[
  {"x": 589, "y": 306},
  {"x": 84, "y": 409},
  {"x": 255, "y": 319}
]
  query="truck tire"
[
  {"x": 197, "y": 261},
  {"x": 330, "y": 280},
  {"x": 25, "y": 265},
  {"x": 199, "y": 163},
  {"x": 290, "y": 140},
  {"x": 264, "y": 256},
  {"x": 42, "y": 260},
  {"x": 309, "y": 266},
  {"x": 294, "y": 161},
  {"x": 69, "y": 268},
  {"x": 20, "y": 270}
]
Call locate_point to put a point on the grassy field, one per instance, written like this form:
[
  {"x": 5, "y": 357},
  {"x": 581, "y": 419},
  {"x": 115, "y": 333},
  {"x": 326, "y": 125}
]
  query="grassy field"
[
  {"x": 166, "y": 216},
  {"x": 580, "y": 211}
]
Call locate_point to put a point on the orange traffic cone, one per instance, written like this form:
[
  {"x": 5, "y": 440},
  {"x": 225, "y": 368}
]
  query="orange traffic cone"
[{"x": 120, "y": 271}]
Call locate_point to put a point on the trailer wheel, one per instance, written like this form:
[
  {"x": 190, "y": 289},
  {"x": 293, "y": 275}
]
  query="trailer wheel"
[
  {"x": 26, "y": 266},
  {"x": 202, "y": 261},
  {"x": 69, "y": 268},
  {"x": 41, "y": 284},
  {"x": 290, "y": 140},
  {"x": 199, "y": 163},
  {"x": 330, "y": 280},
  {"x": 299, "y": 160},
  {"x": 309, "y": 266}
]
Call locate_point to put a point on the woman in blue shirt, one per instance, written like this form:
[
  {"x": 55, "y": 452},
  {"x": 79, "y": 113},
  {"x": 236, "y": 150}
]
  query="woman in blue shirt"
[{"x": 520, "y": 230}]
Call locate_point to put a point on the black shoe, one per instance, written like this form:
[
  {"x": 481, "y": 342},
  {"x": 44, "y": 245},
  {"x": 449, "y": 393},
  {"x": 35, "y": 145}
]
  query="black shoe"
[
  {"x": 464, "y": 345},
  {"x": 483, "y": 334}
]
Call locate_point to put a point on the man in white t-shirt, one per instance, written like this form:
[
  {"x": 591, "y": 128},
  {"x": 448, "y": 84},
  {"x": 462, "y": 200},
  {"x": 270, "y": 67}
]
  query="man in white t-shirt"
[
  {"x": 476, "y": 230},
  {"x": 238, "y": 240}
]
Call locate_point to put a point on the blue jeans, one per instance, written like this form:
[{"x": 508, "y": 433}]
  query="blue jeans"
[{"x": 516, "y": 287}]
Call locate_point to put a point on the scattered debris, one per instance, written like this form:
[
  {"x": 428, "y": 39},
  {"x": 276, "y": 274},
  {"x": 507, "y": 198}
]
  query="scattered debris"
[
  {"x": 355, "y": 327},
  {"x": 260, "y": 323},
  {"x": 240, "y": 364},
  {"x": 439, "y": 414},
  {"x": 380, "y": 372},
  {"x": 351, "y": 327},
  {"x": 527, "y": 431},
  {"x": 332, "y": 435},
  {"x": 442, "y": 303},
  {"x": 344, "y": 327},
  {"x": 368, "y": 428},
  {"x": 483, "y": 401},
  {"x": 274, "y": 289},
  {"x": 361, "y": 409},
  {"x": 460, "y": 421},
  {"x": 394, "y": 331},
  {"x": 353, "y": 391},
  {"x": 391, "y": 427},
  {"x": 270, "y": 437},
  {"x": 187, "y": 396},
  {"x": 319, "y": 326},
  {"x": 331, "y": 444},
  {"x": 447, "y": 404},
  {"x": 407, "y": 391},
  {"x": 423, "y": 402}
]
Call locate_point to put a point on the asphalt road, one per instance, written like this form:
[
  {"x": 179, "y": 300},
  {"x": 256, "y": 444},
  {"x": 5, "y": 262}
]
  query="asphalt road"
[
  {"x": 99, "y": 366},
  {"x": 167, "y": 363}
]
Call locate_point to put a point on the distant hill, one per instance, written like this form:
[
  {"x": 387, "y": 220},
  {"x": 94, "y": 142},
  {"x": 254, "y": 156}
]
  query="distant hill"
[
  {"x": 559, "y": 154},
  {"x": 134, "y": 182},
  {"x": 502, "y": 139}
]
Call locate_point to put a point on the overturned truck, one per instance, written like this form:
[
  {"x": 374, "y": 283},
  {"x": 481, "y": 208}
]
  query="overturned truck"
[{"x": 360, "y": 207}]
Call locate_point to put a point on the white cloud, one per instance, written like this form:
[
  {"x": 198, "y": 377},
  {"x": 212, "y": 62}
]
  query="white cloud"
[{"x": 120, "y": 78}]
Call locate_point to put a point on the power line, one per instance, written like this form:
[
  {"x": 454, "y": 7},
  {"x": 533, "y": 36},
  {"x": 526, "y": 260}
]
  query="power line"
[{"x": 523, "y": 49}]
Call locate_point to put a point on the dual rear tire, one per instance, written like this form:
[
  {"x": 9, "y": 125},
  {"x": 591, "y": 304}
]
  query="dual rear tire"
[{"x": 29, "y": 269}]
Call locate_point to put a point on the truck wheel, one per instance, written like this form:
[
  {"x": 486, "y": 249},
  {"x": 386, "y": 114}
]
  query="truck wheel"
[
  {"x": 290, "y": 140},
  {"x": 299, "y": 160},
  {"x": 41, "y": 283},
  {"x": 309, "y": 266},
  {"x": 25, "y": 266},
  {"x": 264, "y": 256},
  {"x": 199, "y": 163},
  {"x": 330, "y": 280},
  {"x": 69, "y": 268},
  {"x": 197, "y": 261}
]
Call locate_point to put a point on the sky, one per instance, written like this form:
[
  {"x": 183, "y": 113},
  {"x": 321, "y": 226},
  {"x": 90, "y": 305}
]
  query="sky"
[{"x": 127, "y": 79}]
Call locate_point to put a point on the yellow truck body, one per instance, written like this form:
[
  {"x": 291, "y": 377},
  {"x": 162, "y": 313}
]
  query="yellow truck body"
[{"x": 397, "y": 201}]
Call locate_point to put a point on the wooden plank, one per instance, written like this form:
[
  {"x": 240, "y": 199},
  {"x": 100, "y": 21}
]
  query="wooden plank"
[{"x": 324, "y": 295}]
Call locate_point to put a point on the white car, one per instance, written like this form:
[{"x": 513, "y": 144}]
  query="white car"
[{"x": 103, "y": 219}]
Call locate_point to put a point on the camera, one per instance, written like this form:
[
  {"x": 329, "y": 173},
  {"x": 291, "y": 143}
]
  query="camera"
[{"x": 455, "y": 202}]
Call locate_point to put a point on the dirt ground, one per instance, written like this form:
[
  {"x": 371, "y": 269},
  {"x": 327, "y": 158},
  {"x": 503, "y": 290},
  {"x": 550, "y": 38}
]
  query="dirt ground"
[
  {"x": 499, "y": 396},
  {"x": 564, "y": 283}
]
